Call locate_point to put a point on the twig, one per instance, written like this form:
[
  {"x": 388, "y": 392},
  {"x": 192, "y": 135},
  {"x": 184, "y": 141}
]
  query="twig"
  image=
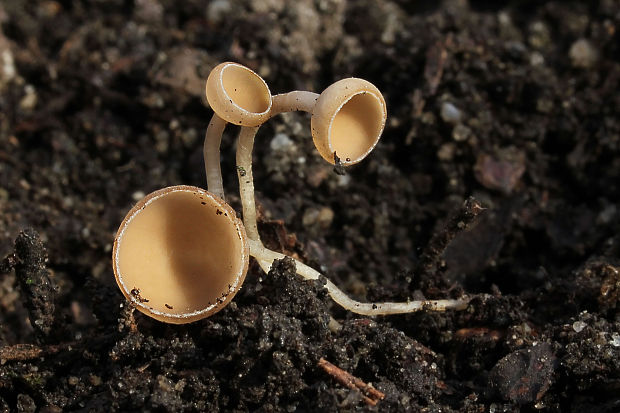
[
  {"x": 19, "y": 352},
  {"x": 25, "y": 352},
  {"x": 370, "y": 395},
  {"x": 429, "y": 261},
  {"x": 35, "y": 283}
]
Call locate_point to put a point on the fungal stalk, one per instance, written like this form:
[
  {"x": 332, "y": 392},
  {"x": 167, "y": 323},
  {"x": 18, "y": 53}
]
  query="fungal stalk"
[{"x": 211, "y": 153}]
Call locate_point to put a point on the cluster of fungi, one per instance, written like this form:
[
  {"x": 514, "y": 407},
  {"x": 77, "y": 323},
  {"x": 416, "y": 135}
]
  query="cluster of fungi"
[{"x": 181, "y": 253}]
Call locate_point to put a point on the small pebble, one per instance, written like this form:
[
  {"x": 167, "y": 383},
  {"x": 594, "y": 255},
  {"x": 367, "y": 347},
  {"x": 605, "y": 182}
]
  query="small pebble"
[
  {"x": 450, "y": 113},
  {"x": 607, "y": 214},
  {"x": 281, "y": 142},
  {"x": 150, "y": 11},
  {"x": 446, "y": 152},
  {"x": 500, "y": 171},
  {"x": 310, "y": 217},
  {"x": 461, "y": 132},
  {"x": 525, "y": 375},
  {"x": 325, "y": 218},
  {"x": 95, "y": 380},
  {"x": 321, "y": 218},
  {"x": 26, "y": 404},
  {"x": 344, "y": 180},
  {"x": 583, "y": 54},
  {"x": 316, "y": 175},
  {"x": 539, "y": 36},
  {"x": 49, "y": 9},
  {"x": 544, "y": 105},
  {"x": 29, "y": 101},
  {"x": 189, "y": 137},
  {"x": 537, "y": 59},
  {"x": 8, "y": 66},
  {"x": 161, "y": 144},
  {"x": 578, "y": 326},
  {"x": 218, "y": 10}
]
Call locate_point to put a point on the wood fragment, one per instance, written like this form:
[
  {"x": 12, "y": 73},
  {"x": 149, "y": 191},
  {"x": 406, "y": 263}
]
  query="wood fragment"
[
  {"x": 23, "y": 352},
  {"x": 370, "y": 395},
  {"x": 436, "y": 57},
  {"x": 478, "y": 332},
  {"x": 430, "y": 259},
  {"x": 19, "y": 352}
]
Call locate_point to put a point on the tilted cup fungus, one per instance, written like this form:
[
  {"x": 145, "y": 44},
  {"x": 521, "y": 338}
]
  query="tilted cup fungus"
[
  {"x": 180, "y": 254},
  {"x": 347, "y": 120},
  {"x": 238, "y": 95}
]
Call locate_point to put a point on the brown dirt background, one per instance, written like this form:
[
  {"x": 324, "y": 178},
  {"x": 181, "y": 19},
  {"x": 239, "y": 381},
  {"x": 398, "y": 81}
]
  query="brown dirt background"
[{"x": 102, "y": 102}]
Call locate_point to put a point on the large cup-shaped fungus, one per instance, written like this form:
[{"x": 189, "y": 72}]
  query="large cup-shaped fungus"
[
  {"x": 348, "y": 120},
  {"x": 238, "y": 95},
  {"x": 180, "y": 254}
]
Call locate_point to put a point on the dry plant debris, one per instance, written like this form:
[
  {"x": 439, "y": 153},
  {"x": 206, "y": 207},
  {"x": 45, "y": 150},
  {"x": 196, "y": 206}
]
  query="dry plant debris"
[{"x": 370, "y": 395}]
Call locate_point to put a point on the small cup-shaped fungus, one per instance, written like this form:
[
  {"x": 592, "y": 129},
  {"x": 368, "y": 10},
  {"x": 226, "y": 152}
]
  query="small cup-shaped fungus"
[
  {"x": 238, "y": 95},
  {"x": 348, "y": 120},
  {"x": 180, "y": 254}
]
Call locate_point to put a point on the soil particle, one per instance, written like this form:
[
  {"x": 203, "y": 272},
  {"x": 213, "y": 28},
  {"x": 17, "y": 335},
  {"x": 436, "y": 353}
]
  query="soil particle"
[
  {"x": 25, "y": 404},
  {"x": 35, "y": 283},
  {"x": 524, "y": 376},
  {"x": 502, "y": 171},
  {"x": 430, "y": 260},
  {"x": 590, "y": 353},
  {"x": 583, "y": 54}
]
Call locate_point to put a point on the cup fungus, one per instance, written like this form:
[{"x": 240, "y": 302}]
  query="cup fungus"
[
  {"x": 180, "y": 254},
  {"x": 238, "y": 95},
  {"x": 348, "y": 120}
]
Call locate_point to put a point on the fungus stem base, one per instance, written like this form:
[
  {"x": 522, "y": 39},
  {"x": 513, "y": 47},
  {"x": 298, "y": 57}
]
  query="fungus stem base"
[{"x": 266, "y": 256}]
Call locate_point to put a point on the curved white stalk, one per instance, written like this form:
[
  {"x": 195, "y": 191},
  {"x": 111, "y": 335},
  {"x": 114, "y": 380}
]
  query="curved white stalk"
[
  {"x": 245, "y": 145},
  {"x": 297, "y": 100},
  {"x": 211, "y": 154},
  {"x": 265, "y": 255}
]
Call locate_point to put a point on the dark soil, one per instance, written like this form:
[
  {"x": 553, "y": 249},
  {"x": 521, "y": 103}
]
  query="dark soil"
[{"x": 514, "y": 103}]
